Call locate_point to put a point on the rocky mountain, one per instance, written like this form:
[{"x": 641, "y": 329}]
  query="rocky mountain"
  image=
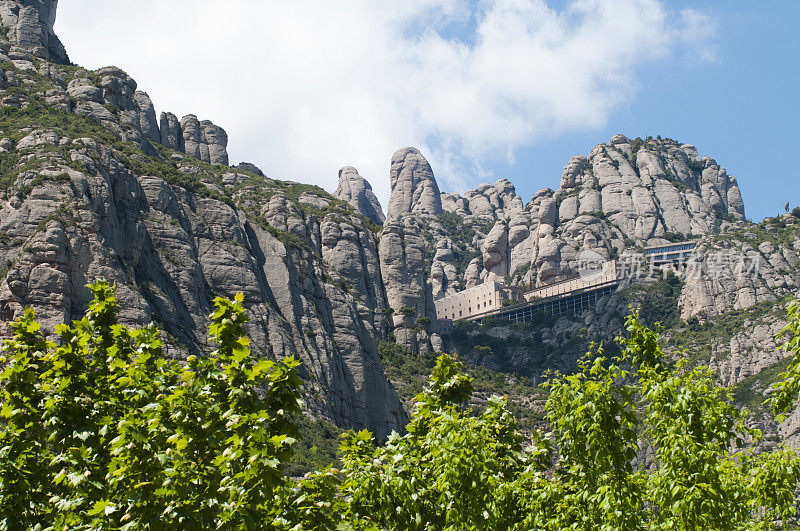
[
  {"x": 93, "y": 185},
  {"x": 626, "y": 194},
  {"x": 764, "y": 269},
  {"x": 355, "y": 190}
]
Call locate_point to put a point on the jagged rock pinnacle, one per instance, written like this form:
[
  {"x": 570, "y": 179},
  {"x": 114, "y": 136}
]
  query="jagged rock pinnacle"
[
  {"x": 29, "y": 25},
  {"x": 414, "y": 188},
  {"x": 357, "y": 191}
]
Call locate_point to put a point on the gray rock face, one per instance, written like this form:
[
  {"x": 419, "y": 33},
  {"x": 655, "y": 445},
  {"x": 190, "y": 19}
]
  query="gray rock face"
[
  {"x": 750, "y": 351},
  {"x": 192, "y": 137},
  {"x": 498, "y": 201},
  {"x": 444, "y": 278},
  {"x": 114, "y": 102},
  {"x": 147, "y": 117},
  {"x": 204, "y": 140},
  {"x": 171, "y": 134},
  {"x": 109, "y": 96},
  {"x": 252, "y": 168},
  {"x": 452, "y": 202},
  {"x": 29, "y": 24},
  {"x": 170, "y": 252},
  {"x": 625, "y": 192},
  {"x": 83, "y": 89},
  {"x": 310, "y": 276},
  {"x": 649, "y": 190},
  {"x": 741, "y": 361},
  {"x": 357, "y": 191},
  {"x": 215, "y": 140},
  {"x": 737, "y": 273},
  {"x": 496, "y": 251},
  {"x": 472, "y": 276},
  {"x": 414, "y": 188},
  {"x": 402, "y": 255}
]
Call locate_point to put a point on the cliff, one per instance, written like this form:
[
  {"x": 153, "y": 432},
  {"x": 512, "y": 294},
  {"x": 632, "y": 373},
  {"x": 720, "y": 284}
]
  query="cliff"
[{"x": 94, "y": 186}]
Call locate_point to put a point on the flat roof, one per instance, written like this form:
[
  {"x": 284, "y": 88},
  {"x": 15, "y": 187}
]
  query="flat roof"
[{"x": 671, "y": 244}]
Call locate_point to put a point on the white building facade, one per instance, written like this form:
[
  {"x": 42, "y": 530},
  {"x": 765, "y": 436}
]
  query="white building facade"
[{"x": 473, "y": 301}]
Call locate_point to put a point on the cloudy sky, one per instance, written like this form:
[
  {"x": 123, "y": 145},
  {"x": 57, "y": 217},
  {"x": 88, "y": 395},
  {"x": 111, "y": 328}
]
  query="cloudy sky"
[{"x": 485, "y": 88}]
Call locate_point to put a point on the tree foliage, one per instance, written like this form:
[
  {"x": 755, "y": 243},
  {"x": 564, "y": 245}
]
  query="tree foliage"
[
  {"x": 636, "y": 443},
  {"x": 100, "y": 431},
  {"x": 788, "y": 387}
]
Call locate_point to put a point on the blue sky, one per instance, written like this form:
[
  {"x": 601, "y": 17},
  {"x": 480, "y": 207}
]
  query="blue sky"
[
  {"x": 742, "y": 109},
  {"x": 485, "y": 88}
]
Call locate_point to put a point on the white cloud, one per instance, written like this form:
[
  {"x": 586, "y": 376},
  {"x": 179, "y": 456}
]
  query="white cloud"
[{"x": 307, "y": 86}]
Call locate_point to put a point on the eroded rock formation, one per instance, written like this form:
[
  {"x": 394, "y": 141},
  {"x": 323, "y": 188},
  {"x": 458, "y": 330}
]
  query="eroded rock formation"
[
  {"x": 354, "y": 189},
  {"x": 414, "y": 188},
  {"x": 29, "y": 26},
  {"x": 92, "y": 194}
]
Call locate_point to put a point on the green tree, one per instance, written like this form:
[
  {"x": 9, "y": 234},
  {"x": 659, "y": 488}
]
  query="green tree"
[
  {"x": 592, "y": 414},
  {"x": 24, "y": 452},
  {"x": 103, "y": 432},
  {"x": 698, "y": 480},
  {"x": 787, "y": 389},
  {"x": 445, "y": 472},
  {"x": 653, "y": 446}
]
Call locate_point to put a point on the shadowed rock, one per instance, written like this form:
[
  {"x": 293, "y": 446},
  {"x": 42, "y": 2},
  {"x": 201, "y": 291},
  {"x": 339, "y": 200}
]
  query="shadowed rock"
[
  {"x": 171, "y": 134},
  {"x": 357, "y": 191},
  {"x": 29, "y": 24}
]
